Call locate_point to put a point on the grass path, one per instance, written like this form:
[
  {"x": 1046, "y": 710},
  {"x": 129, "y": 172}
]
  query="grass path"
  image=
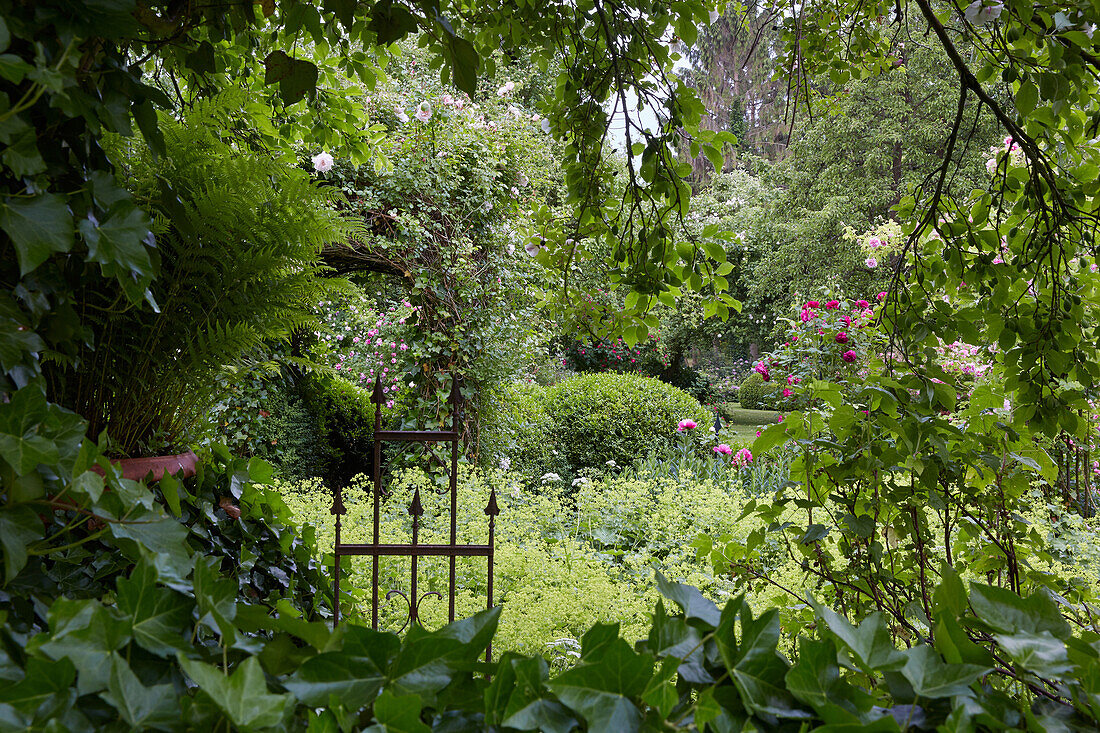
[{"x": 744, "y": 423}]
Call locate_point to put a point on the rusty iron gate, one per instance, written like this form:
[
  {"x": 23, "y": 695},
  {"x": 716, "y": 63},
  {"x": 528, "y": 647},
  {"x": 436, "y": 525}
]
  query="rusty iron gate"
[{"x": 414, "y": 550}]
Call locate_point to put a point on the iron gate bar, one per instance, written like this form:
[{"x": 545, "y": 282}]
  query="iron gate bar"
[
  {"x": 421, "y": 550},
  {"x": 415, "y": 549},
  {"x": 417, "y": 436}
]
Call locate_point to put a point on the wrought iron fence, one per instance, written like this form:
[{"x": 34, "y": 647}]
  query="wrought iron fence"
[{"x": 414, "y": 549}]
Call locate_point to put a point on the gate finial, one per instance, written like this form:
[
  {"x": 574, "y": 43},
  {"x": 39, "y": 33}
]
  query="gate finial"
[
  {"x": 416, "y": 509},
  {"x": 492, "y": 509},
  {"x": 378, "y": 396}
]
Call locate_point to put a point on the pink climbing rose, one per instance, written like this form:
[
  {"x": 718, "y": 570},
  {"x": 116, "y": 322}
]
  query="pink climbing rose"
[{"x": 762, "y": 369}]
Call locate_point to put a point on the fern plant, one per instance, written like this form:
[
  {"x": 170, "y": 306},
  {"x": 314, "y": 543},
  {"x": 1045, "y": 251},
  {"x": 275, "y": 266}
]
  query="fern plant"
[{"x": 239, "y": 237}]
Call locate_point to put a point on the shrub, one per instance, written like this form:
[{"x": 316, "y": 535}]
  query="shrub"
[
  {"x": 345, "y": 425},
  {"x": 596, "y": 418},
  {"x": 756, "y": 394}
]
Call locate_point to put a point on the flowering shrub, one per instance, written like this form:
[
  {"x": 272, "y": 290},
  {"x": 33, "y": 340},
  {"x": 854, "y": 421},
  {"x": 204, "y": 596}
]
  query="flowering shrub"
[{"x": 831, "y": 339}]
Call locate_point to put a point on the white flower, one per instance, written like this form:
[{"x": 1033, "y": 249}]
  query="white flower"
[
  {"x": 511, "y": 248},
  {"x": 871, "y": 262},
  {"x": 487, "y": 206},
  {"x": 322, "y": 162},
  {"x": 532, "y": 248},
  {"x": 401, "y": 114},
  {"x": 448, "y": 99},
  {"x": 714, "y": 15},
  {"x": 545, "y": 126},
  {"x": 505, "y": 464},
  {"x": 506, "y": 89},
  {"x": 522, "y": 180},
  {"x": 1090, "y": 28},
  {"x": 580, "y": 481},
  {"x": 516, "y": 111},
  {"x": 424, "y": 111},
  {"x": 980, "y": 13},
  {"x": 546, "y": 477},
  {"x": 991, "y": 165},
  {"x": 611, "y": 463},
  {"x": 515, "y": 191}
]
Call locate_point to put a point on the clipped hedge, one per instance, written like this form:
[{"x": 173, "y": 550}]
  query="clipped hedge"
[
  {"x": 596, "y": 418},
  {"x": 345, "y": 424},
  {"x": 756, "y": 394}
]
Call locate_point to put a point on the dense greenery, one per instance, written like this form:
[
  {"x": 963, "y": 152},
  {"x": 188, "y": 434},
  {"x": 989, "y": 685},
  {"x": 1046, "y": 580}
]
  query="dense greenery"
[{"x": 912, "y": 535}]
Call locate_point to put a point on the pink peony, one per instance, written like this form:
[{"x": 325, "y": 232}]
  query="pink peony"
[
  {"x": 744, "y": 456},
  {"x": 832, "y": 305},
  {"x": 813, "y": 304},
  {"x": 841, "y": 338},
  {"x": 848, "y": 356},
  {"x": 862, "y": 304},
  {"x": 688, "y": 424},
  {"x": 723, "y": 449},
  {"x": 882, "y": 295}
]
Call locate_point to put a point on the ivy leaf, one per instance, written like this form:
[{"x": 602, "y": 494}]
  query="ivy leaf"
[
  {"x": 603, "y": 691},
  {"x": 815, "y": 680},
  {"x": 38, "y": 226},
  {"x": 400, "y": 713},
  {"x": 21, "y": 155},
  {"x": 1040, "y": 653},
  {"x": 355, "y": 674},
  {"x": 216, "y": 597},
  {"x": 427, "y": 658},
  {"x": 870, "y": 642},
  {"x": 157, "y": 616},
  {"x": 1003, "y": 611},
  {"x": 755, "y": 665},
  {"x": 118, "y": 245},
  {"x": 44, "y": 679},
  {"x": 696, "y": 607},
  {"x": 21, "y": 420},
  {"x": 931, "y": 677},
  {"x": 243, "y": 696},
  {"x": 140, "y": 706},
  {"x": 19, "y": 526},
  {"x": 86, "y": 632}
]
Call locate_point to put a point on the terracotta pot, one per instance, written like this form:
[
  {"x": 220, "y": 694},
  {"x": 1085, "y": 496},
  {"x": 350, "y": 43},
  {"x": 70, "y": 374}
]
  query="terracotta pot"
[{"x": 138, "y": 468}]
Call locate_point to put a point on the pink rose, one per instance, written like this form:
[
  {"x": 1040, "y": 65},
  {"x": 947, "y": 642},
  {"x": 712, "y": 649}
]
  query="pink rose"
[
  {"x": 832, "y": 305},
  {"x": 881, "y": 295},
  {"x": 841, "y": 338},
  {"x": 848, "y": 356},
  {"x": 813, "y": 304},
  {"x": 762, "y": 369},
  {"x": 862, "y": 304}
]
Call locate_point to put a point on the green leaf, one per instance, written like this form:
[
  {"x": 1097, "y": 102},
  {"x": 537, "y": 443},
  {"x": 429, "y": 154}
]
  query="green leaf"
[
  {"x": 38, "y": 226},
  {"x": 696, "y": 607},
  {"x": 400, "y": 713},
  {"x": 1004, "y": 611},
  {"x": 216, "y": 598},
  {"x": 932, "y": 678},
  {"x": 21, "y": 154},
  {"x": 140, "y": 706},
  {"x": 86, "y": 632},
  {"x": 44, "y": 679},
  {"x": 602, "y": 691},
  {"x": 296, "y": 78},
  {"x": 19, "y": 526},
  {"x": 1026, "y": 98},
  {"x": 755, "y": 665},
  {"x": 158, "y": 617},
  {"x": 870, "y": 643},
  {"x": 425, "y": 664},
  {"x": 354, "y": 675},
  {"x": 815, "y": 680},
  {"x": 1040, "y": 652},
  {"x": 243, "y": 696}
]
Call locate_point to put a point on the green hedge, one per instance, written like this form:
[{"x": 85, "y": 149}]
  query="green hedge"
[
  {"x": 344, "y": 418},
  {"x": 756, "y": 394},
  {"x": 590, "y": 419}
]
